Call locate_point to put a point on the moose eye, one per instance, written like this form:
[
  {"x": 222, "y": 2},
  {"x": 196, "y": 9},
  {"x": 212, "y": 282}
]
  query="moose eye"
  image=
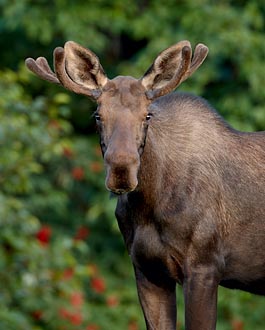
[
  {"x": 148, "y": 117},
  {"x": 97, "y": 117}
]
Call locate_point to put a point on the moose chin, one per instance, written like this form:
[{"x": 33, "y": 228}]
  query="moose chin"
[{"x": 191, "y": 189}]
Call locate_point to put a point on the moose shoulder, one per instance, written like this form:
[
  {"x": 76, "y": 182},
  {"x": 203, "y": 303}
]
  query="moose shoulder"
[{"x": 191, "y": 189}]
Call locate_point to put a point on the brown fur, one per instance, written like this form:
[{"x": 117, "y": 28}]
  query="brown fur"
[
  {"x": 191, "y": 189},
  {"x": 199, "y": 204}
]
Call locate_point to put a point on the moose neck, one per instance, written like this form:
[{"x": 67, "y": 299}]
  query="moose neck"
[
  {"x": 165, "y": 156},
  {"x": 184, "y": 131}
]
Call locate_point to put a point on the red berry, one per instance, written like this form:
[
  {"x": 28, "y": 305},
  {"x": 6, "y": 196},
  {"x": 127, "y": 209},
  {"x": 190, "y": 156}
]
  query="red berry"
[
  {"x": 98, "y": 284},
  {"x": 78, "y": 173},
  {"x": 44, "y": 235}
]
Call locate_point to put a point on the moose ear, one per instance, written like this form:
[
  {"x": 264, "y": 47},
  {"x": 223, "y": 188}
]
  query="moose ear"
[
  {"x": 171, "y": 67},
  {"x": 83, "y": 66}
]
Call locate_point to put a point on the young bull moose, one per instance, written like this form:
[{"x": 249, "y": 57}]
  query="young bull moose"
[{"x": 191, "y": 189}]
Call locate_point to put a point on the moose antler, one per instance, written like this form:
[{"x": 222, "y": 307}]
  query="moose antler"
[
  {"x": 199, "y": 56},
  {"x": 79, "y": 70},
  {"x": 172, "y": 67},
  {"x": 63, "y": 73},
  {"x": 42, "y": 69}
]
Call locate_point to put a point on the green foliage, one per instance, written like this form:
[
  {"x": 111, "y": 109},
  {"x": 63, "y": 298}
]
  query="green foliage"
[
  {"x": 62, "y": 259},
  {"x": 56, "y": 220}
]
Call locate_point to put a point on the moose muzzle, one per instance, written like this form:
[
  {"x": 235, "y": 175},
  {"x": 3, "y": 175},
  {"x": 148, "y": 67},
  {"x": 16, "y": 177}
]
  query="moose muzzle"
[{"x": 122, "y": 170}]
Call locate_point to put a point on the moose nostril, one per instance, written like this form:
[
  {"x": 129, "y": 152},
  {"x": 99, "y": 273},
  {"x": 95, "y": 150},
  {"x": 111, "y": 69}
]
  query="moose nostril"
[
  {"x": 122, "y": 172},
  {"x": 121, "y": 160}
]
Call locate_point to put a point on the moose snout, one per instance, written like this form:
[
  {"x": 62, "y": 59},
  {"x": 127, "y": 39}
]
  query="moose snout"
[{"x": 122, "y": 170}]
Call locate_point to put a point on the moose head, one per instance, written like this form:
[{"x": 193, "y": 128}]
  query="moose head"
[{"x": 123, "y": 113}]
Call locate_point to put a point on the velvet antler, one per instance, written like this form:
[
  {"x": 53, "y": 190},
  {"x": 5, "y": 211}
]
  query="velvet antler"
[{"x": 86, "y": 83}]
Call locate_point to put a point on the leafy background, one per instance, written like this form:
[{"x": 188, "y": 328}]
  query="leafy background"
[{"x": 63, "y": 265}]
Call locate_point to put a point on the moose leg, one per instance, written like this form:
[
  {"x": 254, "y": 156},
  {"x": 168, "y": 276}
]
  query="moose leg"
[
  {"x": 200, "y": 294},
  {"x": 158, "y": 302}
]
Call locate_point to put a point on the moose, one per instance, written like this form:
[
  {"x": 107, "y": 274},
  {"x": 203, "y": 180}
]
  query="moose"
[{"x": 190, "y": 188}]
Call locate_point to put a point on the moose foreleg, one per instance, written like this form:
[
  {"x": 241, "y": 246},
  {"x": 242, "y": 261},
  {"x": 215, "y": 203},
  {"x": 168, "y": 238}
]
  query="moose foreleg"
[
  {"x": 158, "y": 303},
  {"x": 200, "y": 294}
]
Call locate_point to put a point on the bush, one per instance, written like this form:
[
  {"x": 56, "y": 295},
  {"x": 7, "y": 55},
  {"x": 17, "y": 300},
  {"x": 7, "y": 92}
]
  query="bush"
[{"x": 57, "y": 221}]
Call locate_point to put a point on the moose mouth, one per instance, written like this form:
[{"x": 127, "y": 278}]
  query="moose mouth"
[{"x": 121, "y": 180}]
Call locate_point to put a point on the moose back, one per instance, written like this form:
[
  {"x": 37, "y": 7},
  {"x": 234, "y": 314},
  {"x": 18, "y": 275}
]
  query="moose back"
[{"x": 191, "y": 189}]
